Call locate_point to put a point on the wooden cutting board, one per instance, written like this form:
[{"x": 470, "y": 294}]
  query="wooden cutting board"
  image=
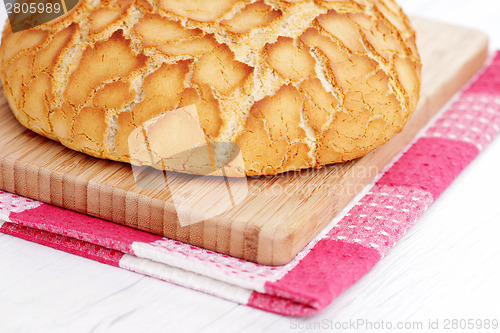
[{"x": 278, "y": 216}]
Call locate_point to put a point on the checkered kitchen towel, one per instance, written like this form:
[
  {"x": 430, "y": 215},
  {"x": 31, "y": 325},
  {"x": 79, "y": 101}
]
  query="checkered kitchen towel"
[{"x": 343, "y": 253}]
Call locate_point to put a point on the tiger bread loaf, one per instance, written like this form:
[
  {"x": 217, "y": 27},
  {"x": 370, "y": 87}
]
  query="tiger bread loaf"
[{"x": 286, "y": 84}]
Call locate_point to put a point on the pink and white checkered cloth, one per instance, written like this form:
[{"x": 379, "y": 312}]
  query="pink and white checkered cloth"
[{"x": 343, "y": 253}]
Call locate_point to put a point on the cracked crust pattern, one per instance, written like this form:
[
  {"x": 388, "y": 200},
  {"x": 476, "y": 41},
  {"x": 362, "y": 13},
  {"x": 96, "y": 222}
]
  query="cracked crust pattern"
[{"x": 294, "y": 83}]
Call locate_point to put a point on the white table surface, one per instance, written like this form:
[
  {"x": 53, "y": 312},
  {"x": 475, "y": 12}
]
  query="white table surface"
[{"x": 446, "y": 267}]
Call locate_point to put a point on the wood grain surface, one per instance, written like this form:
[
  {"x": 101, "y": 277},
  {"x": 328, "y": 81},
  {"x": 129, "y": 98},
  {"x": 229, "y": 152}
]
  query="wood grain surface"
[{"x": 279, "y": 216}]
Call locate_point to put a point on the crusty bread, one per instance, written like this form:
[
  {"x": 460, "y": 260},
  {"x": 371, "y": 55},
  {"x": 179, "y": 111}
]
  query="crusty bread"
[{"x": 294, "y": 83}]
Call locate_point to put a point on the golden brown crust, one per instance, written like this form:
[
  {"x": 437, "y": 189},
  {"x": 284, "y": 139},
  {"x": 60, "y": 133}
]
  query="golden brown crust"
[{"x": 295, "y": 84}]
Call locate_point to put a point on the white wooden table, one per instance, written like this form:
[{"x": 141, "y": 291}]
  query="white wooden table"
[{"x": 446, "y": 267}]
